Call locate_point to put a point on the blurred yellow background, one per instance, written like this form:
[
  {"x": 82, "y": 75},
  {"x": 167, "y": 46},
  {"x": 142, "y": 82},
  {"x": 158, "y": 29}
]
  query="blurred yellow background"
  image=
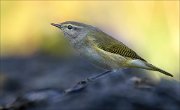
[{"x": 151, "y": 28}]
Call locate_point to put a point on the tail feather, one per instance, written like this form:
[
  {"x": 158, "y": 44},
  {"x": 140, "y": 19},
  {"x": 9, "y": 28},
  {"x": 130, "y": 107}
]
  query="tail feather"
[
  {"x": 158, "y": 69},
  {"x": 145, "y": 65}
]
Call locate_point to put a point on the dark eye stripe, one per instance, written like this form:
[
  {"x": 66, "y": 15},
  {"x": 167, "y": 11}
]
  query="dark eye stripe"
[{"x": 69, "y": 27}]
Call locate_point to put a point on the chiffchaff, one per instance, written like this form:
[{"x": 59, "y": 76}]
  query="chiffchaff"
[{"x": 101, "y": 49}]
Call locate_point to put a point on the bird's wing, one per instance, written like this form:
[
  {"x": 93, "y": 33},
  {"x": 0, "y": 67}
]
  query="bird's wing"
[{"x": 109, "y": 44}]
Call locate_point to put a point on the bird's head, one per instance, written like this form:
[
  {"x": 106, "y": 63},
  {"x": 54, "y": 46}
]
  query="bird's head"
[{"x": 73, "y": 30}]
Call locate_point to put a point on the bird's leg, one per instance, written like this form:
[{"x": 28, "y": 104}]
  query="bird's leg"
[
  {"x": 82, "y": 84},
  {"x": 92, "y": 78}
]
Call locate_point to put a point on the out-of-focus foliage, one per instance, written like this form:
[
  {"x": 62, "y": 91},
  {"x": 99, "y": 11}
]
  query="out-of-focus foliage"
[{"x": 151, "y": 28}]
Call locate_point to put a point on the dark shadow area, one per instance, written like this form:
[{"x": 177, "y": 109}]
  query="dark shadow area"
[{"x": 41, "y": 82}]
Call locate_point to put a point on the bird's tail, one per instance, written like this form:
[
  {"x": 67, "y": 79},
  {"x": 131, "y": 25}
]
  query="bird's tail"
[
  {"x": 154, "y": 68},
  {"x": 145, "y": 65}
]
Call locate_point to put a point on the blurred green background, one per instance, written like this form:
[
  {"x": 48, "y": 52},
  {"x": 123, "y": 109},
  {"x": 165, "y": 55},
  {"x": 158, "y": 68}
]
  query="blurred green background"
[{"x": 151, "y": 28}]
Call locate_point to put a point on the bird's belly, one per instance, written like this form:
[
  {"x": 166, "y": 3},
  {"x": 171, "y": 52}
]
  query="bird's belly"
[{"x": 102, "y": 59}]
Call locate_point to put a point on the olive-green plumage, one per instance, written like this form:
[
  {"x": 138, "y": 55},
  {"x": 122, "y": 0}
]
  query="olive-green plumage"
[
  {"x": 102, "y": 49},
  {"x": 109, "y": 44}
]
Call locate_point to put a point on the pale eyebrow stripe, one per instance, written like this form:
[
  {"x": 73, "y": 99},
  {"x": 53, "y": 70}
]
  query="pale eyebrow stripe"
[{"x": 75, "y": 26}]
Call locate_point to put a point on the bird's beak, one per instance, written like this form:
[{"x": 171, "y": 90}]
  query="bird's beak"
[{"x": 56, "y": 25}]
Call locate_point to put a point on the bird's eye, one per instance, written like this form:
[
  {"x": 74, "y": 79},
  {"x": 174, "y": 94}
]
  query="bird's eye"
[{"x": 69, "y": 27}]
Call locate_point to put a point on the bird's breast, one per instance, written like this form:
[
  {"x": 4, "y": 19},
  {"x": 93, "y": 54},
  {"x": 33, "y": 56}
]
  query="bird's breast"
[{"x": 100, "y": 58}]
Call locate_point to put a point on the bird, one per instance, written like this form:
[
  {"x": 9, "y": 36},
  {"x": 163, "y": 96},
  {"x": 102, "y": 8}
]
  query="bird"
[{"x": 101, "y": 49}]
